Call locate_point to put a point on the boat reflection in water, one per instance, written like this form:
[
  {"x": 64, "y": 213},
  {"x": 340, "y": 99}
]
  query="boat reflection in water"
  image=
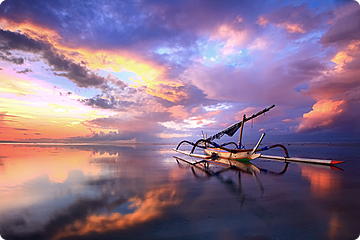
[
  {"x": 234, "y": 166},
  {"x": 205, "y": 169}
]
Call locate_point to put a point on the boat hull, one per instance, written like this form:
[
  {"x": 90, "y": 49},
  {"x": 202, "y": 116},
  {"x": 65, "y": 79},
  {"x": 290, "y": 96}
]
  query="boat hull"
[{"x": 238, "y": 156}]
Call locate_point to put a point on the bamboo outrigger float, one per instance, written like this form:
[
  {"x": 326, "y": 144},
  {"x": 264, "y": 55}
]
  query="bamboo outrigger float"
[{"x": 221, "y": 153}]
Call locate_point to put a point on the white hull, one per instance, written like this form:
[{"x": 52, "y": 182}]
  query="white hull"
[{"x": 241, "y": 156}]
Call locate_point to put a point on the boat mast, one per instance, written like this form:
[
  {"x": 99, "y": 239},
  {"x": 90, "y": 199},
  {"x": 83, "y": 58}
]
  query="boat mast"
[{"x": 241, "y": 130}]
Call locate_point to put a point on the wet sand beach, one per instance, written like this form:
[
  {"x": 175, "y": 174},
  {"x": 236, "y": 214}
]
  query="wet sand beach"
[{"x": 142, "y": 192}]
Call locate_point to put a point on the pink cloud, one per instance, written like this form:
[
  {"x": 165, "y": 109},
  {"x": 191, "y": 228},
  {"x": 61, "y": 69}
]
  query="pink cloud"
[
  {"x": 212, "y": 113},
  {"x": 178, "y": 112},
  {"x": 321, "y": 116}
]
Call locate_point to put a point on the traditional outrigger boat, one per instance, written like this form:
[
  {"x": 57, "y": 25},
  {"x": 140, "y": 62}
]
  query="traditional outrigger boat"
[{"x": 230, "y": 156}]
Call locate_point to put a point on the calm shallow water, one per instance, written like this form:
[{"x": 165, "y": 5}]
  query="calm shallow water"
[{"x": 141, "y": 192}]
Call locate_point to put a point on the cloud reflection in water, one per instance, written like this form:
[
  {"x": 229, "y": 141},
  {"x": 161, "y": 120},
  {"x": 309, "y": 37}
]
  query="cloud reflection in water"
[{"x": 55, "y": 192}]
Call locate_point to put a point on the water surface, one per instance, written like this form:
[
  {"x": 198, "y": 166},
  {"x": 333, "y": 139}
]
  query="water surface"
[{"x": 142, "y": 192}]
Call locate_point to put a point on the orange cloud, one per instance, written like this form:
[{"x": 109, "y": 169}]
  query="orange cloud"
[
  {"x": 343, "y": 57},
  {"x": 291, "y": 27},
  {"x": 262, "y": 21},
  {"x": 288, "y": 120},
  {"x": 33, "y": 31},
  {"x": 239, "y": 19},
  {"x": 149, "y": 75},
  {"x": 321, "y": 115}
]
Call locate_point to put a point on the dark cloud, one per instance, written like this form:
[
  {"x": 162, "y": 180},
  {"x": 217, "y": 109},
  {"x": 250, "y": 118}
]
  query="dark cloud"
[
  {"x": 195, "y": 97},
  {"x": 61, "y": 65},
  {"x": 107, "y": 103},
  {"x": 116, "y": 81},
  {"x": 65, "y": 67},
  {"x": 345, "y": 26},
  {"x": 7, "y": 56},
  {"x": 26, "y": 70},
  {"x": 21, "y": 129},
  {"x": 17, "y": 41},
  {"x": 310, "y": 67}
]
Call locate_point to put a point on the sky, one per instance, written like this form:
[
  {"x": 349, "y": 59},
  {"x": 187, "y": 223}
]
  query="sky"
[{"x": 157, "y": 71}]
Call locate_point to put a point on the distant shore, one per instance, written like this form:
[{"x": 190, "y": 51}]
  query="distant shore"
[{"x": 355, "y": 144}]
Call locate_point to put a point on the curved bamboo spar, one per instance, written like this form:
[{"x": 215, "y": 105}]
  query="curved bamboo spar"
[
  {"x": 230, "y": 131},
  {"x": 308, "y": 160}
]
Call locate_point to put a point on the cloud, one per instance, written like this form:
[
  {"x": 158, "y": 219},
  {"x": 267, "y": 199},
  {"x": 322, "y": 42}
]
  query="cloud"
[
  {"x": 116, "y": 81},
  {"x": 141, "y": 127},
  {"x": 7, "y": 56},
  {"x": 178, "y": 111},
  {"x": 233, "y": 38},
  {"x": 336, "y": 93},
  {"x": 321, "y": 116},
  {"x": 21, "y": 129},
  {"x": 61, "y": 65},
  {"x": 158, "y": 64},
  {"x": 26, "y": 70},
  {"x": 104, "y": 103},
  {"x": 345, "y": 25},
  {"x": 103, "y": 137},
  {"x": 296, "y": 20},
  {"x": 5, "y": 118}
]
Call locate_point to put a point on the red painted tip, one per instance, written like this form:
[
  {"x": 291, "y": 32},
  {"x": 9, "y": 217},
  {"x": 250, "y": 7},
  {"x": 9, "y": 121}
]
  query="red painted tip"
[{"x": 335, "y": 162}]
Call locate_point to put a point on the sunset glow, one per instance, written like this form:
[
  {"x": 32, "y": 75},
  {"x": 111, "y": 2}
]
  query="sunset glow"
[{"x": 139, "y": 73}]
